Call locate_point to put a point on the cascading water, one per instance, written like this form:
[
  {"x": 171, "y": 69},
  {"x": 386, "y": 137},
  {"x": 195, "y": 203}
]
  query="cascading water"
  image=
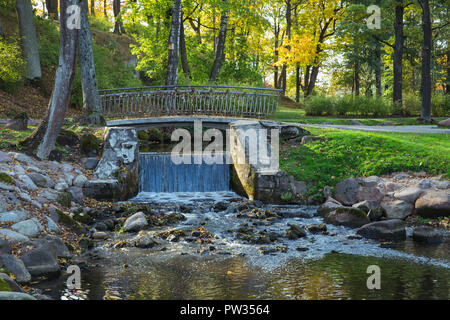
[{"x": 158, "y": 173}]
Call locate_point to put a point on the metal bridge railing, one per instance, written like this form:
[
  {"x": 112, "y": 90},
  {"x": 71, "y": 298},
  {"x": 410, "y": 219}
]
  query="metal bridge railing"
[{"x": 159, "y": 101}]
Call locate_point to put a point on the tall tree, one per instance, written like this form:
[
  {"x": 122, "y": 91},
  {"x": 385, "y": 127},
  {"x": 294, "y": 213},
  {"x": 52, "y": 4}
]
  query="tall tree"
[
  {"x": 93, "y": 8},
  {"x": 27, "y": 30},
  {"x": 91, "y": 100},
  {"x": 426, "y": 60},
  {"x": 398, "y": 53},
  {"x": 220, "y": 52},
  {"x": 44, "y": 137},
  {"x": 118, "y": 23},
  {"x": 174, "y": 44},
  {"x": 183, "y": 51},
  {"x": 52, "y": 8}
]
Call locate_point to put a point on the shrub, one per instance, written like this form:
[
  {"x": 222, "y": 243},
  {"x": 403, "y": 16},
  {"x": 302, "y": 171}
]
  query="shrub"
[
  {"x": 412, "y": 104},
  {"x": 440, "y": 105},
  {"x": 319, "y": 105},
  {"x": 12, "y": 65}
]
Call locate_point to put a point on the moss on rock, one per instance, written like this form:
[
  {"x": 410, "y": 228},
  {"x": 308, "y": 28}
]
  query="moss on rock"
[
  {"x": 6, "y": 178},
  {"x": 4, "y": 286},
  {"x": 89, "y": 143},
  {"x": 64, "y": 199}
]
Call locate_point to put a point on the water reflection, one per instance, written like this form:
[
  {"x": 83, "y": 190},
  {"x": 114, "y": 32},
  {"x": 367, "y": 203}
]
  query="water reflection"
[{"x": 336, "y": 276}]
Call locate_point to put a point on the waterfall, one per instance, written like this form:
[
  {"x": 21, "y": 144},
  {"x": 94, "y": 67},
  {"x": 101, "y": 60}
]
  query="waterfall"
[{"x": 159, "y": 174}]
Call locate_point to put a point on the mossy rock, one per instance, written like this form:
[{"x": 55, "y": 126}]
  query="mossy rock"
[
  {"x": 69, "y": 222},
  {"x": 86, "y": 243},
  {"x": 4, "y": 286},
  {"x": 6, "y": 178},
  {"x": 89, "y": 143},
  {"x": 82, "y": 217},
  {"x": 64, "y": 199},
  {"x": 68, "y": 138}
]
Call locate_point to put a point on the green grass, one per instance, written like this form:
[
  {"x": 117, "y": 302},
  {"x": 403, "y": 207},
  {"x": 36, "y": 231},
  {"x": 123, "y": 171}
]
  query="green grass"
[{"x": 349, "y": 154}]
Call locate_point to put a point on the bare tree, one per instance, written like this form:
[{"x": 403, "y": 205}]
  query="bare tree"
[
  {"x": 426, "y": 60},
  {"x": 220, "y": 52},
  {"x": 91, "y": 100},
  {"x": 174, "y": 44},
  {"x": 27, "y": 30},
  {"x": 44, "y": 137}
]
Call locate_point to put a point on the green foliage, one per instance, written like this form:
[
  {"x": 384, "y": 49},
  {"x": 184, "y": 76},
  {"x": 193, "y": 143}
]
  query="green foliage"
[
  {"x": 348, "y": 105},
  {"x": 12, "y": 65},
  {"x": 348, "y": 153},
  {"x": 440, "y": 105}
]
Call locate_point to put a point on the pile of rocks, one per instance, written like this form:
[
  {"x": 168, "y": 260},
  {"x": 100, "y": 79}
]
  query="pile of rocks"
[
  {"x": 34, "y": 195},
  {"x": 378, "y": 206}
]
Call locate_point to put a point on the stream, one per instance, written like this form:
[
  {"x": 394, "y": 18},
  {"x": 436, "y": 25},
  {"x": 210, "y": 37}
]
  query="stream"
[{"x": 330, "y": 265}]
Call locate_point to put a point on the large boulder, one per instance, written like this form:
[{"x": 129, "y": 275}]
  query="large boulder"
[
  {"x": 434, "y": 204},
  {"x": 425, "y": 234},
  {"x": 13, "y": 216},
  {"x": 369, "y": 194},
  {"x": 329, "y": 206},
  {"x": 30, "y": 228},
  {"x": 8, "y": 284},
  {"x": 347, "y": 191},
  {"x": 53, "y": 244},
  {"x": 13, "y": 237},
  {"x": 397, "y": 209},
  {"x": 15, "y": 296},
  {"x": 136, "y": 222},
  {"x": 41, "y": 180},
  {"x": 444, "y": 123},
  {"x": 373, "y": 209},
  {"x": 384, "y": 230},
  {"x": 348, "y": 217},
  {"x": 409, "y": 195},
  {"x": 41, "y": 262},
  {"x": 16, "y": 267}
]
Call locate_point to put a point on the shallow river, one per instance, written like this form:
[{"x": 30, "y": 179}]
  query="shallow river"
[{"x": 316, "y": 267}]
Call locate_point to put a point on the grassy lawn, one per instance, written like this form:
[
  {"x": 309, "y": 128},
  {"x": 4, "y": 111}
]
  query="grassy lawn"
[
  {"x": 347, "y": 154},
  {"x": 288, "y": 113}
]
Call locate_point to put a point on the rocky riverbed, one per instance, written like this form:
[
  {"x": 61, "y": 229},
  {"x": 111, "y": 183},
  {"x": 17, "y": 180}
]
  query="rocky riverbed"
[{"x": 46, "y": 225}]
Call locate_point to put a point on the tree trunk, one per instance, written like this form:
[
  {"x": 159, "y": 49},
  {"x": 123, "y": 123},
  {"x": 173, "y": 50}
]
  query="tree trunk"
[
  {"x": 288, "y": 34},
  {"x": 220, "y": 52},
  {"x": 104, "y": 9},
  {"x": 356, "y": 79},
  {"x": 312, "y": 80},
  {"x": 93, "y": 8},
  {"x": 297, "y": 83},
  {"x": 44, "y": 137},
  {"x": 183, "y": 52},
  {"x": 398, "y": 53},
  {"x": 92, "y": 108},
  {"x": 426, "y": 61},
  {"x": 52, "y": 8},
  {"x": 118, "y": 25},
  {"x": 447, "y": 91},
  {"x": 378, "y": 72},
  {"x": 29, "y": 39},
  {"x": 275, "y": 76},
  {"x": 174, "y": 44}
]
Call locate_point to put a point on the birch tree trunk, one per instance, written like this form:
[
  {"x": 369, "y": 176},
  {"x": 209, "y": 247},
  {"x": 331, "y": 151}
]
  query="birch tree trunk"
[
  {"x": 426, "y": 61},
  {"x": 91, "y": 100},
  {"x": 44, "y": 137},
  {"x": 220, "y": 52},
  {"x": 29, "y": 39},
  {"x": 174, "y": 44}
]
